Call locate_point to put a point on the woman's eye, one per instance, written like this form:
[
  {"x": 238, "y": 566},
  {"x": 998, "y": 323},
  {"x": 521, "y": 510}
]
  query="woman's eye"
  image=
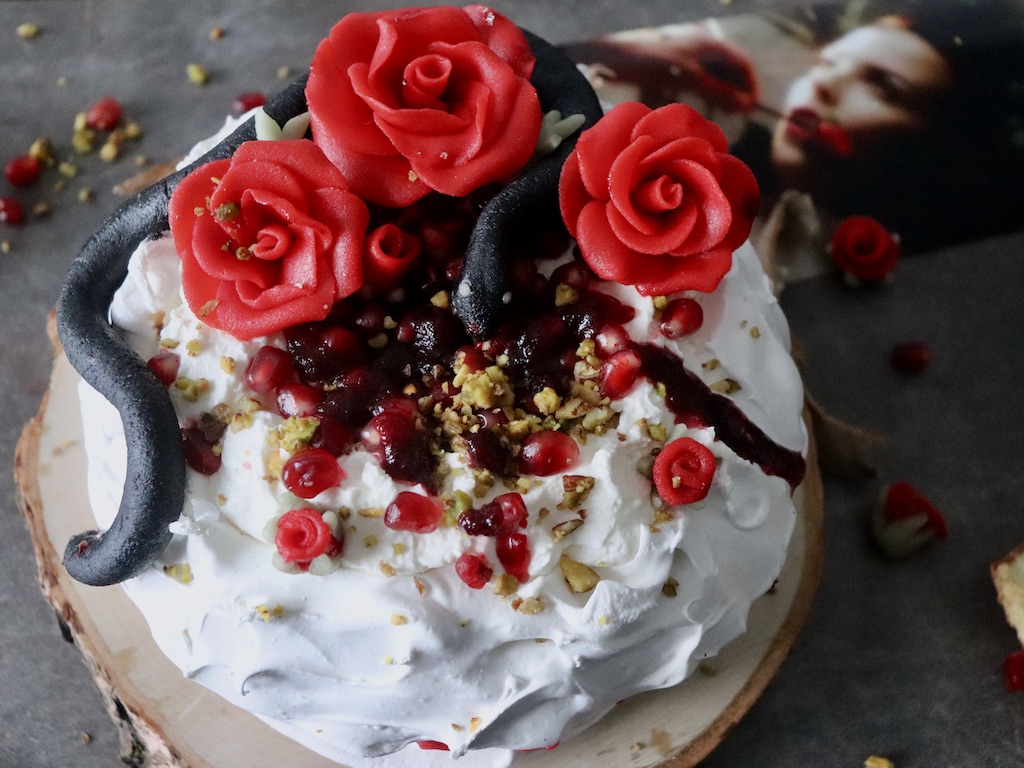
[{"x": 888, "y": 86}]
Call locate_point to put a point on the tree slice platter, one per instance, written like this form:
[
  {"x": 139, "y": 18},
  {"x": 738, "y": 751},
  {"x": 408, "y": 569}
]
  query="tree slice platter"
[{"x": 167, "y": 721}]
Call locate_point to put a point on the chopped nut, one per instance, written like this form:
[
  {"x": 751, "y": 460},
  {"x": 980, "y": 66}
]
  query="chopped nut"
[
  {"x": 565, "y": 294},
  {"x": 547, "y": 401},
  {"x": 506, "y": 585},
  {"x": 42, "y": 150},
  {"x": 531, "y": 606},
  {"x": 398, "y": 619},
  {"x": 726, "y": 386},
  {"x": 266, "y": 613},
  {"x": 86, "y": 195},
  {"x": 563, "y": 529},
  {"x": 41, "y": 208},
  {"x": 193, "y": 346},
  {"x": 387, "y": 569},
  {"x": 197, "y": 74},
  {"x": 208, "y": 307},
  {"x": 67, "y": 169},
  {"x": 83, "y": 141},
  {"x": 660, "y": 303},
  {"x": 216, "y": 33},
  {"x": 878, "y": 762},
  {"x": 283, "y": 73},
  {"x": 109, "y": 151},
  {"x": 579, "y": 577},
  {"x": 132, "y": 131},
  {"x": 755, "y": 332},
  {"x": 227, "y": 364},
  {"x": 575, "y": 489},
  {"x": 28, "y": 31},
  {"x": 441, "y": 299},
  {"x": 181, "y": 573}
]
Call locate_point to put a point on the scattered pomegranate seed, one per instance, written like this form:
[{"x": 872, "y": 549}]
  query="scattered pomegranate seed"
[
  {"x": 165, "y": 365},
  {"x": 248, "y": 100},
  {"x": 514, "y": 555},
  {"x": 904, "y": 521},
  {"x": 413, "y": 512},
  {"x": 199, "y": 452},
  {"x": 619, "y": 373},
  {"x": 269, "y": 368},
  {"x": 11, "y": 211},
  {"x": 548, "y": 453},
  {"x": 1013, "y": 671},
  {"x": 297, "y": 400},
  {"x": 303, "y": 535},
  {"x": 473, "y": 570},
  {"x": 310, "y": 472},
  {"x": 438, "y": 745},
  {"x": 683, "y": 471},
  {"x": 22, "y": 171},
  {"x": 104, "y": 115},
  {"x": 910, "y": 358},
  {"x": 681, "y": 318}
]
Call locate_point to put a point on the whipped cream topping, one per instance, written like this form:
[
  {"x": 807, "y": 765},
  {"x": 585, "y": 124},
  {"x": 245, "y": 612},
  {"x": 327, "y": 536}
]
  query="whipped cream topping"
[{"x": 392, "y": 647}]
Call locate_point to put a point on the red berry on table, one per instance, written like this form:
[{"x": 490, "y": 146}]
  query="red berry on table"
[
  {"x": 904, "y": 521},
  {"x": 310, "y": 472},
  {"x": 269, "y": 368},
  {"x": 413, "y": 512},
  {"x": 22, "y": 170},
  {"x": 911, "y": 357},
  {"x": 1013, "y": 671},
  {"x": 104, "y": 115},
  {"x": 683, "y": 471},
  {"x": 681, "y": 318},
  {"x": 473, "y": 570},
  {"x": 302, "y": 535},
  {"x": 11, "y": 211},
  {"x": 548, "y": 453},
  {"x": 247, "y": 100}
]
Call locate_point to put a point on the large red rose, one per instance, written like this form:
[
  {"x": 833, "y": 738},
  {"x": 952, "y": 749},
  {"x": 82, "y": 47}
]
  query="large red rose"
[
  {"x": 654, "y": 199},
  {"x": 414, "y": 100},
  {"x": 268, "y": 239}
]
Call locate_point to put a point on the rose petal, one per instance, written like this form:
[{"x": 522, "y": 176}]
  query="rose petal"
[
  {"x": 699, "y": 272},
  {"x": 598, "y": 147},
  {"x": 675, "y": 121}
]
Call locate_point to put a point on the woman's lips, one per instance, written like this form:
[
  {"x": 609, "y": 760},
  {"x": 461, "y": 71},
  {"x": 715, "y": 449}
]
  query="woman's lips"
[
  {"x": 801, "y": 124},
  {"x": 804, "y": 126}
]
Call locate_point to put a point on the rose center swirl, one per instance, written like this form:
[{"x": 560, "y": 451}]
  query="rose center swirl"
[
  {"x": 273, "y": 242},
  {"x": 657, "y": 196},
  {"x": 425, "y": 80}
]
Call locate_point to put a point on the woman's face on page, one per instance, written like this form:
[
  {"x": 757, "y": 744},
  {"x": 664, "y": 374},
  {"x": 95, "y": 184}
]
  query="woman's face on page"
[{"x": 875, "y": 83}]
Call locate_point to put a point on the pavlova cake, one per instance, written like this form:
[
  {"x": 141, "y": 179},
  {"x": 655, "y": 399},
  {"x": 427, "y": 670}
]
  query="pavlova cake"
[{"x": 444, "y": 412}]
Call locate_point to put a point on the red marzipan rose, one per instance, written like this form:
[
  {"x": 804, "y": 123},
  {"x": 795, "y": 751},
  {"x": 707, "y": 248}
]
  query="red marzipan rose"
[
  {"x": 268, "y": 239},
  {"x": 654, "y": 199},
  {"x": 863, "y": 248},
  {"x": 414, "y": 100}
]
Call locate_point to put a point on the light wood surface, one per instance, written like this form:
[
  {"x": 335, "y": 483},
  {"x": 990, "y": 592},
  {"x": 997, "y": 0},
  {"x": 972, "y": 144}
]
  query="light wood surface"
[{"x": 167, "y": 721}]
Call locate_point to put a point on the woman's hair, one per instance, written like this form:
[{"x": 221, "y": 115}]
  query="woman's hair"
[{"x": 960, "y": 179}]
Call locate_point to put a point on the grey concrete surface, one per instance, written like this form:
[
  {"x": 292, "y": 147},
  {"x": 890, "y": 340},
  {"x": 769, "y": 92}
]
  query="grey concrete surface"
[{"x": 897, "y": 659}]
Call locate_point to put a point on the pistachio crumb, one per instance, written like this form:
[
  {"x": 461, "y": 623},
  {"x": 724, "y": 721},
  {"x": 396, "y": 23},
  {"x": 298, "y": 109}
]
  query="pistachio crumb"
[
  {"x": 181, "y": 572},
  {"x": 193, "y": 346},
  {"x": 398, "y": 619},
  {"x": 197, "y": 73},
  {"x": 28, "y": 31},
  {"x": 227, "y": 364},
  {"x": 878, "y": 762}
]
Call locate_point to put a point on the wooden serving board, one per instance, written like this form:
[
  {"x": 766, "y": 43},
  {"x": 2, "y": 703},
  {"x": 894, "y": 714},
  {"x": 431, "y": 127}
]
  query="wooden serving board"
[{"x": 167, "y": 721}]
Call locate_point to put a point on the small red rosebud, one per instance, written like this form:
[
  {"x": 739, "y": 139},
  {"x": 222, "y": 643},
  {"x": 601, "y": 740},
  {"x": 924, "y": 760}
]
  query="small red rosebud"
[
  {"x": 903, "y": 521},
  {"x": 864, "y": 249}
]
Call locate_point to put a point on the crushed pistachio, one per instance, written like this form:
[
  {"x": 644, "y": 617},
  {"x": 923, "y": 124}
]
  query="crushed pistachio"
[
  {"x": 227, "y": 211},
  {"x": 180, "y": 572},
  {"x": 506, "y": 585},
  {"x": 670, "y": 587},
  {"x": 266, "y": 613},
  {"x": 133, "y": 131},
  {"x": 575, "y": 489},
  {"x": 169, "y": 343},
  {"x": 726, "y": 386},
  {"x": 441, "y": 299},
  {"x": 227, "y": 364},
  {"x": 109, "y": 151},
  {"x": 86, "y": 195},
  {"x": 387, "y": 569},
  {"x": 208, "y": 307},
  {"x": 370, "y": 541},
  {"x": 68, "y": 169},
  {"x": 193, "y": 346},
  {"x": 879, "y": 762},
  {"x": 755, "y": 332},
  {"x": 660, "y": 303},
  {"x": 216, "y": 33},
  {"x": 197, "y": 74},
  {"x": 42, "y": 150},
  {"x": 580, "y": 578},
  {"x": 531, "y": 606},
  {"x": 293, "y": 433},
  {"x": 560, "y": 531},
  {"x": 547, "y": 401},
  {"x": 565, "y": 294},
  {"x": 398, "y": 619},
  {"x": 28, "y": 31}
]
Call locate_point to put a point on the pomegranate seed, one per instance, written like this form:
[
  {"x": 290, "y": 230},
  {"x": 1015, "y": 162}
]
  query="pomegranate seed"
[
  {"x": 21, "y": 171},
  {"x": 681, "y": 318},
  {"x": 370, "y": 319},
  {"x": 471, "y": 356},
  {"x": 486, "y": 451},
  {"x": 199, "y": 452},
  {"x": 342, "y": 343},
  {"x": 1013, "y": 671},
  {"x": 297, "y": 400},
  {"x": 310, "y": 472},
  {"x": 574, "y": 274},
  {"x": 269, "y": 368},
  {"x": 303, "y": 535},
  {"x": 612, "y": 338},
  {"x": 473, "y": 570},
  {"x": 683, "y": 471},
  {"x": 413, "y": 512},
  {"x": 503, "y": 516},
  {"x": 619, "y": 373},
  {"x": 910, "y": 358},
  {"x": 11, "y": 211},
  {"x": 403, "y": 406},
  {"x": 514, "y": 555},
  {"x": 427, "y": 744},
  {"x": 247, "y": 100},
  {"x": 548, "y": 453},
  {"x": 165, "y": 365},
  {"x": 104, "y": 115}
]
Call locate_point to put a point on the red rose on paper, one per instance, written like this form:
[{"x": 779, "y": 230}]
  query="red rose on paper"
[
  {"x": 863, "y": 248},
  {"x": 409, "y": 101},
  {"x": 268, "y": 239},
  {"x": 654, "y": 200}
]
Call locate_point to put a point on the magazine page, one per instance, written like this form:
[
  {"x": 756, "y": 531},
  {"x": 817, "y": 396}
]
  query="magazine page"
[{"x": 906, "y": 112}]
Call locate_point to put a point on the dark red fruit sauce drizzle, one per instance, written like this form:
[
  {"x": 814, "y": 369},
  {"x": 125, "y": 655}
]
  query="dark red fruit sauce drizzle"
[{"x": 370, "y": 391}]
